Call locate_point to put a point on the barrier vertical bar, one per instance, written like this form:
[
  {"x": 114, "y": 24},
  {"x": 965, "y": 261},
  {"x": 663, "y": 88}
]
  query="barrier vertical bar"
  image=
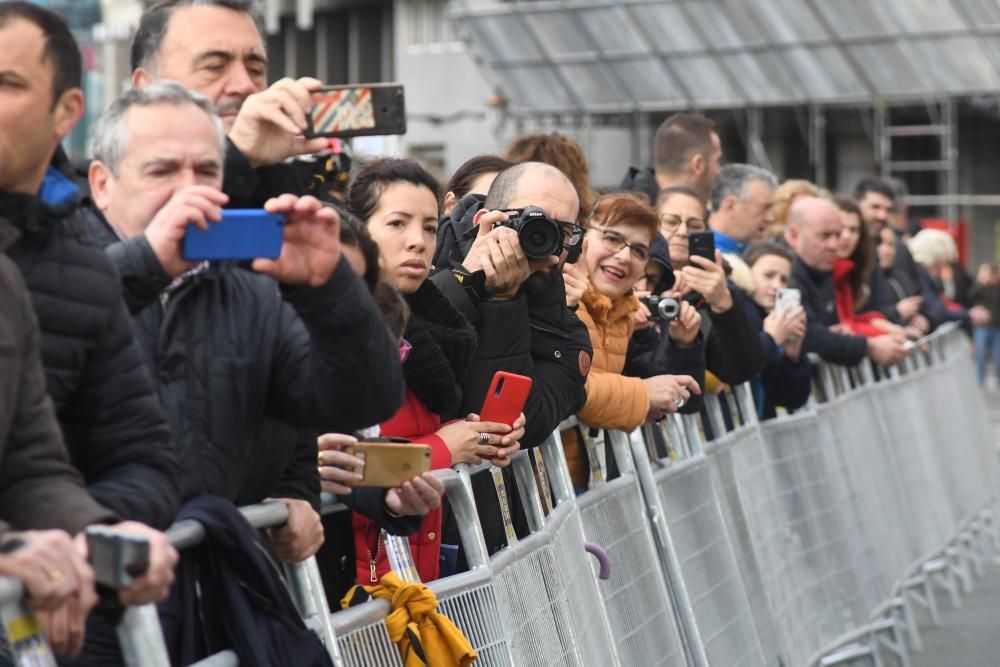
[
  {"x": 23, "y": 633},
  {"x": 683, "y": 610},
  {"x": 306, "y": 584},
  {"x": 141, "y": 638},
  {"x": 714, "y": 410},
  {"x": 529, "y": 491}
]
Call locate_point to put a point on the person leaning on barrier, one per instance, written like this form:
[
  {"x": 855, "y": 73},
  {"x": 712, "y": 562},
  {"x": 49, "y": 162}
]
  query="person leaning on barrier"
[
  {"x": 216, "y": 47},
  {"x": 40, "y": 489},
  {"x": 114, "y": 428},
  {"x": 686, "y": 153},
  {"x": 813, "y": 233},
  {"x": 296, "y": 340},
  {"x": 524, "y": 300},
  {"x": 733, "y": 352},
  {"x": 902, "y": 301},
  {"x": 615, "y": 252},
  {"x": 851, "y": 276},
  {"x": 657, "y": 347},
  {"x": 934, "y": 250},
  {"x": 786, "y": 380},
  {"x": 398, "y": 201}
]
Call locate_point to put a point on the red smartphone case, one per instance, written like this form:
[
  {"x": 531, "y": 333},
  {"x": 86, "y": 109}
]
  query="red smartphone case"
[{"x": 506, "y": 398}]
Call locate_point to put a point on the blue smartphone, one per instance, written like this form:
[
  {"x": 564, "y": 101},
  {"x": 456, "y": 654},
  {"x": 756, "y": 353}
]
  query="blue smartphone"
[{"x": 242, "y": 233}]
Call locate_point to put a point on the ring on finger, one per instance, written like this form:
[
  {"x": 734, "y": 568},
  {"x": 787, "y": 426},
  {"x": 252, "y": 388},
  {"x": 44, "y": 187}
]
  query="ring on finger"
[
  {"x": 484, "y": 438},
  {"x": 319, "y": 460},
  {"x": 679, "y": 402}
]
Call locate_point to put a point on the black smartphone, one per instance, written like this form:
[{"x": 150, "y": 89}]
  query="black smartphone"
[
  {"x": 702, "y": 244},
  {"x": 357, "y": 110}
]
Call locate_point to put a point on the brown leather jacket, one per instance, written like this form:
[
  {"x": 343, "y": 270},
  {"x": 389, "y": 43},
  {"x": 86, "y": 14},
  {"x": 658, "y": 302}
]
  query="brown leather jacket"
[{"x": 38, "y": 486}]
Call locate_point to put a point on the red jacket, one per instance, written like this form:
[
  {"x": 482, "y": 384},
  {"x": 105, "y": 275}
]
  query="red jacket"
[
  {"x": 416, "y": 423},
  {"x": 860, "y": 323}
]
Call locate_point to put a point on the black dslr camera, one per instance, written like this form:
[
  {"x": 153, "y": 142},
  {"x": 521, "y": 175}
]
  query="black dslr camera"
[
  {"x": 539, "y": 236},
  {"x": 662, "y": 308}
]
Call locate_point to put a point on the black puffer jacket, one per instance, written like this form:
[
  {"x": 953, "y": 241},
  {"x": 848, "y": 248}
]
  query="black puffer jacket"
[
  {"x": 231, "y": 349},
  {"x": 38, "y": 486},
  {"x": 115, "y": 430},
  {"x": 534, "y": 334},
  {"x": 818, "y": 301}
]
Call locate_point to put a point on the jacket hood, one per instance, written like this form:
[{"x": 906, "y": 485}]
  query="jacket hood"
[
  {"x": 454, "y": 226},
  {"x": 660, "y": 253},
  {"x": 641, "y": 180}
]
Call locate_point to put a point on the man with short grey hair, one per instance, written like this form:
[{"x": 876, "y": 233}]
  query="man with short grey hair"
[
  {"x": 742, "y": 197},
  {"x": 297, "y": 340}
]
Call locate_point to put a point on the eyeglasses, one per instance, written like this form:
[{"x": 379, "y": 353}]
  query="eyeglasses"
[
  {"x": 614, "y": 242},
  {"x": 672, "y": 223}
]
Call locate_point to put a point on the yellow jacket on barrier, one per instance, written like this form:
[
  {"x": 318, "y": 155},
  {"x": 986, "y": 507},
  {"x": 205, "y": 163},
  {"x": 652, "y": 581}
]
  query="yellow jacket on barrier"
[{"x": 414, "y": 608}]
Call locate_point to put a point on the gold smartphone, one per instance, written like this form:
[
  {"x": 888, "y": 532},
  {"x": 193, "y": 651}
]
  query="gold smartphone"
[{"x": 387, "y": 465}]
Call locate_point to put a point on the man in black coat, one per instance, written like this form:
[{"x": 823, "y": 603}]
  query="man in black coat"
[
  {"x": 114, "y": 428},
  {"x": 812, "y": 233},
  {"x": 491, "y": 281},
  {"x": 116, "y": 433},
  {"x": 297, "y": 340}
]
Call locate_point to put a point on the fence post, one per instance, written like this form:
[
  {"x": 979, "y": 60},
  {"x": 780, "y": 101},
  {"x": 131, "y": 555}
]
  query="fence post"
[
  {"x": 683, "y": 610},
  {"x": 141, "y": 638},
  {"x": 307, "y": 588},
  {"x": 24, "y": 634}
]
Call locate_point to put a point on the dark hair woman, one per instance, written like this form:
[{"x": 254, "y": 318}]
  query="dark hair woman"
[{"x": 398, "y": 202}]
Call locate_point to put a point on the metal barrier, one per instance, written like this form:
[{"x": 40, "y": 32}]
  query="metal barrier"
[
  {"x": 140, "y": 633},
  {"x": 21, "y": 631},
  {"x": 813, "y": 538}
]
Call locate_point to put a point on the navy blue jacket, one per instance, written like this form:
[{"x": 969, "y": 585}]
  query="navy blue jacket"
[{"x": 229, "y": 595}]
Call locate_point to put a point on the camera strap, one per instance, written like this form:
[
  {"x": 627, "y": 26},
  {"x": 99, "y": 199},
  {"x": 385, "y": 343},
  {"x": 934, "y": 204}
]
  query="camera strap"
[{"x": 473, "y": 282}]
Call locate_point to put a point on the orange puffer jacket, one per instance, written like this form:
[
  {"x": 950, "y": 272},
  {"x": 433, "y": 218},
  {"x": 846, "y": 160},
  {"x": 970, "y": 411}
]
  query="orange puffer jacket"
[{"x": 614, "y": 401}]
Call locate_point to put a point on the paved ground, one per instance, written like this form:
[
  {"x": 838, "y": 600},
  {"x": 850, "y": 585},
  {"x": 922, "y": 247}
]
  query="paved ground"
[{"x": 969, "y": 636}]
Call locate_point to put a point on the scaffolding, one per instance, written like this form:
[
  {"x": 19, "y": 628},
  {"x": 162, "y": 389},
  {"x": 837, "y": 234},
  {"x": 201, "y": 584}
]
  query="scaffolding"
[{"x": 596, "y": 58}]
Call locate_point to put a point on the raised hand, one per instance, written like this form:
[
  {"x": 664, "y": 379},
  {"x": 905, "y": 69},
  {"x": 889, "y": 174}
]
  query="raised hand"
[{"x": 311, "y": 248}]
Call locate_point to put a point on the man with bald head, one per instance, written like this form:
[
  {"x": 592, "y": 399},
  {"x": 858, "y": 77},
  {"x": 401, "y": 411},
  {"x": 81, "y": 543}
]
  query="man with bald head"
[
  {"x": 812, "y": 232},
  {"x": 489, "y": 278}
]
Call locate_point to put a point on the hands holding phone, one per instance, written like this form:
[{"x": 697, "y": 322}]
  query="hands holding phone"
[
  {"x": 311, "y": 248},
  {"x": 270, "y": 124},
  {"x": 708, "y": 279},
  {"x": 199, "y": 205},
  {"x": 337, "y": 469}
]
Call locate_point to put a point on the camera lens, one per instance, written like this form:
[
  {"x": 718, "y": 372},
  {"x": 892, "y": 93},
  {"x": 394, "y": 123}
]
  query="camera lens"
[
  {"x": 669, "y": 308},
  {"x": 540, "y": 238}
]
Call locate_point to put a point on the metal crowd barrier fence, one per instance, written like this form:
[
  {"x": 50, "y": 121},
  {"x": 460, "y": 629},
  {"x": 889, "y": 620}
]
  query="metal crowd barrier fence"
[
  {"x": 810, "y": 539},
  {"x": 790, "y": 535},
  {"x": 140, "y": 633},
  {"x": 22, "y": 633}
]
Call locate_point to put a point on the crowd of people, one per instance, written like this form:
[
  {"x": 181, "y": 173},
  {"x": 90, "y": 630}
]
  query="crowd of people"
[{"x": 138, "y": 388}]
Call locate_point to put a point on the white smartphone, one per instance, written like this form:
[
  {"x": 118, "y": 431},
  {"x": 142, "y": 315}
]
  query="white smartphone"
[{"x": 787, "y": 298}]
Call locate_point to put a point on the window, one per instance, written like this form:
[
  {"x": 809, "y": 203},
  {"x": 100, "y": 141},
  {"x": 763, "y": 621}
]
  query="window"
[{"x": 426, "y": 24}]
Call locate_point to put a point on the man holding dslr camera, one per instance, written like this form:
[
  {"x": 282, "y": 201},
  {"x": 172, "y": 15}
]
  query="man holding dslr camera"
[{"x": 498, "y": 278}]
